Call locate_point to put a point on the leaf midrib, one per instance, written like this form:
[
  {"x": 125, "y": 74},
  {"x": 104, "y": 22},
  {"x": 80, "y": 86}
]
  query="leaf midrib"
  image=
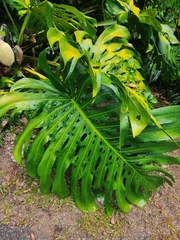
[{"x": 106, "y": 142}]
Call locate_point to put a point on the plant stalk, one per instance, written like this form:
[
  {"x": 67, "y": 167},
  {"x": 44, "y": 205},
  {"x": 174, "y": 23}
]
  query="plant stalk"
[
  {"x": 20, "y": 38},
  {"x": 10, "y": 17}
]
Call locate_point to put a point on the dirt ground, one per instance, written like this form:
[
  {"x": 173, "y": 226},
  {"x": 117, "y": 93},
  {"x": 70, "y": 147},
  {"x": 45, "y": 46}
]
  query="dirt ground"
[{"x": 26, "y": 214}]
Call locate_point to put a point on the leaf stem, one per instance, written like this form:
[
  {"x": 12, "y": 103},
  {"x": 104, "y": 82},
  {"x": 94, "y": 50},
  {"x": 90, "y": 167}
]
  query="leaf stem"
[
  {"x": 20, "y": 38},
  {"x": 10, "y": 17},
  {"x": 35, "y": 73}
]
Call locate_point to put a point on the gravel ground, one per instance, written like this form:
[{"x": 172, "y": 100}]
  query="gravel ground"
[{"x": 14, "y": 233}]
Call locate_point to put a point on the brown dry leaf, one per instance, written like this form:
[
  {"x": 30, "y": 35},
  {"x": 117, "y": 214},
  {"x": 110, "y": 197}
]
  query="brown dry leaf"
[{"x": 112, "y": 220}]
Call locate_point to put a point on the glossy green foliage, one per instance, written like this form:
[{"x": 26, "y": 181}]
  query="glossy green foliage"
[{"x": 73, "y": 145}]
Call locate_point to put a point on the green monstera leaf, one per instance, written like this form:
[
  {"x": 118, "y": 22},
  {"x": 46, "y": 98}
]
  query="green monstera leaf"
[{"x": 72, "y": 144}]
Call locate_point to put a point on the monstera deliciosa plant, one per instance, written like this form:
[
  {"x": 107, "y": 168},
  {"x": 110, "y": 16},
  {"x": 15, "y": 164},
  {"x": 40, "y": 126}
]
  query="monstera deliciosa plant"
[{"x": 90, "y": 132}]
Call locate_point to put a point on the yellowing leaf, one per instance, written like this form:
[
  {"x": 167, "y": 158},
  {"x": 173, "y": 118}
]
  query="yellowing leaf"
[
  {"x": 138, "y": 115},
  {"x": 54, "y": 35},
  {"x": 67, "y": 50},
  {"x": 135, "y": 10}
]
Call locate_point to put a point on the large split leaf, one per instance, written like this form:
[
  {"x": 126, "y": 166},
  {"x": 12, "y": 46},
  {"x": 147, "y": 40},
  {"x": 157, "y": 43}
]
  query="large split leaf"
[{"x": 73, "y": 145}]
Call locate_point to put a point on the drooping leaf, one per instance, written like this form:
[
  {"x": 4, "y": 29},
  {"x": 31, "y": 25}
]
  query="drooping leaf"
[{"x": 139, "y": 116}]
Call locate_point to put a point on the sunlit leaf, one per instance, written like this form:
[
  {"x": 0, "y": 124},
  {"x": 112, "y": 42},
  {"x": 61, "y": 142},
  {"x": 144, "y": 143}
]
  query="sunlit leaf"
[{"x": 67, "y": 50}]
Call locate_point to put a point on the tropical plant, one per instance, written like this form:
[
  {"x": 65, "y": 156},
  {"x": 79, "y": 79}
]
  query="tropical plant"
[
  {"x": 78, "y": 129},
  {"x": 79, "y": 142},
  {"x": 90, "y": 132}
]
